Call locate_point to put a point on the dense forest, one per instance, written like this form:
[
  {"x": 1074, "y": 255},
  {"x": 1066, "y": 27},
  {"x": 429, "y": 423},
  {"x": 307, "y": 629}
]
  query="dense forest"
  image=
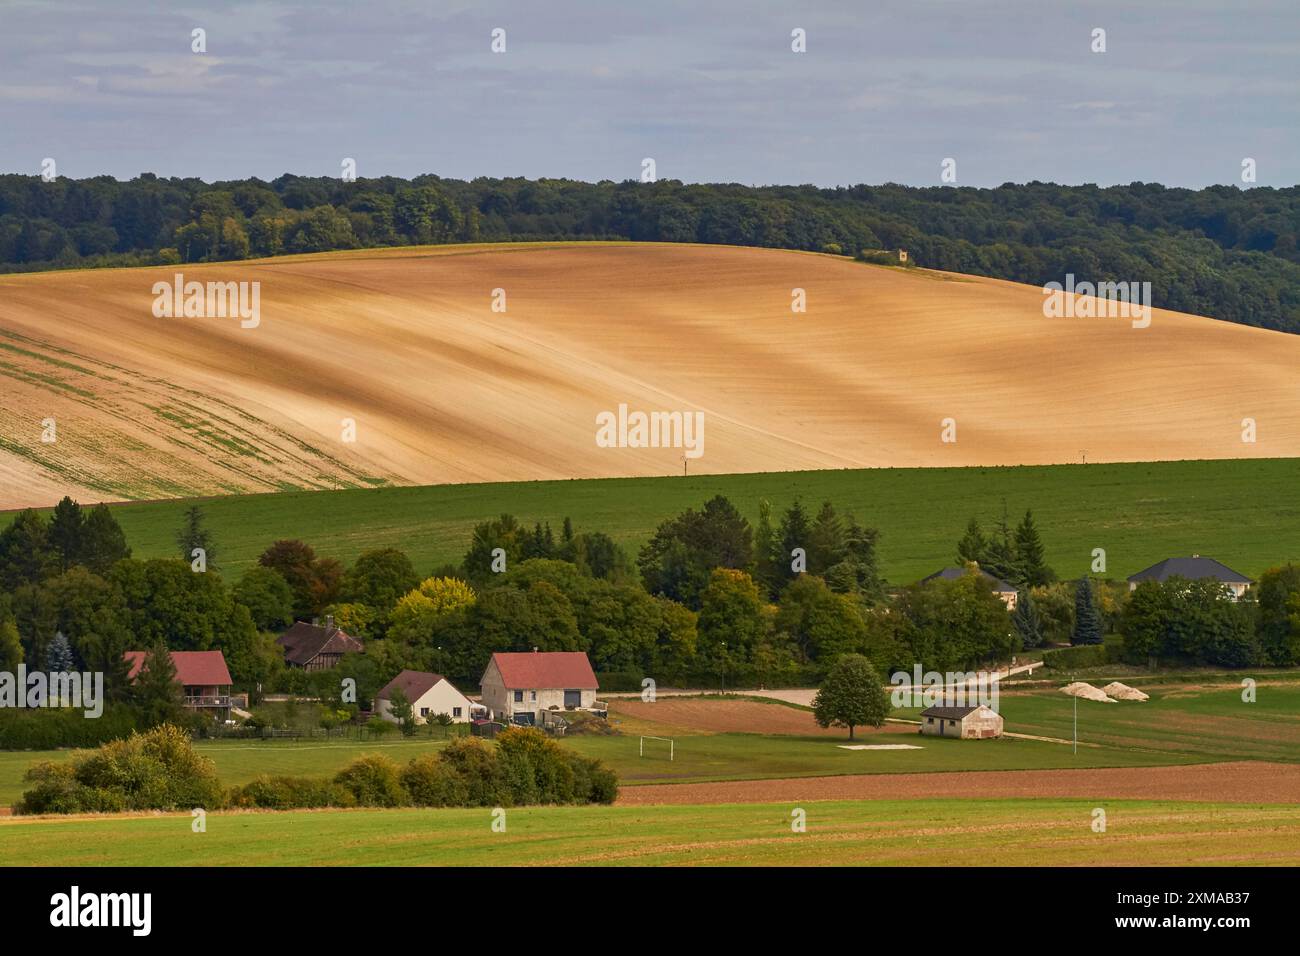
[{"x": 1222, "y": 251}]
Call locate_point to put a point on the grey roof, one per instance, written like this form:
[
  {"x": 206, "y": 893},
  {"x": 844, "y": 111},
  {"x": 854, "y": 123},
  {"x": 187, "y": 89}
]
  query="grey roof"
[
  {"x": 953, "y": 574},
  {"x": 1194, "y": 569},
  {"x": 949, "y": 713}
]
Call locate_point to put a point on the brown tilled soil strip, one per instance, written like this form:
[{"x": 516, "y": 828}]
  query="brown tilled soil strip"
[{"x": 1241, "y": 782}]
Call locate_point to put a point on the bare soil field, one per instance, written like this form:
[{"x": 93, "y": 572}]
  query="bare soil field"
[
  {"x": 1240, "y": 782},
  {"x": 404, "y": 343},
  {"x": 686, "y": 716}
]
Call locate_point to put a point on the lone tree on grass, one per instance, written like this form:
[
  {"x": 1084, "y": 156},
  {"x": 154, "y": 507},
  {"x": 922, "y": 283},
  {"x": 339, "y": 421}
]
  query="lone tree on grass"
[
  {"x": 851, "y": 696},
  {"x": 1087, "y": 619}
]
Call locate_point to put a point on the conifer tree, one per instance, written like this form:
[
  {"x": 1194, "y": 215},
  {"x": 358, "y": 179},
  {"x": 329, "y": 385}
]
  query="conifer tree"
[
  {"x": 1030, "y": 554},
  {"x": 1026, "y": 620},
  {"x": 1087, "y": 619}
]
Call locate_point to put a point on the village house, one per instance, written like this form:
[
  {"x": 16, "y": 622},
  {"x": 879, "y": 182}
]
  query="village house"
[
  {"x": 1003, "y": 590},
  {"x": 313, "y": 647},
  {"x": 1195, "y": 568},
  {"x": 429, "y": 695},
  {"x": 202, "y": 675},
  {"x": 967, "y": 723},
  {"x": 519, "y": 688}
]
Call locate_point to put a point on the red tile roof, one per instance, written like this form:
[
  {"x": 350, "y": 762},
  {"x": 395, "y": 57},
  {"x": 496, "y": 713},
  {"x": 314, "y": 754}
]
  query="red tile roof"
[
  {"x": 414, "y": 684},
  {"x": 193, "y": 668},
  {"x": 551, "y": 670}
]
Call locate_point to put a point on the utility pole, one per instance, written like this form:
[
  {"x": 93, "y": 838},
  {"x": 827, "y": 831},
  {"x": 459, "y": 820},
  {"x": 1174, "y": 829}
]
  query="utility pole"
[{"x": 1076, "y": 719}]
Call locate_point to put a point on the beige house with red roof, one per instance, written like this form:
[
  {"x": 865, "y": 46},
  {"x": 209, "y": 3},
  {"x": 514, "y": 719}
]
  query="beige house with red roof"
[
  {"x": 430, "y": 695},
  {"x": 517, "y": 688},
  {"x": 203, "y": 675}
]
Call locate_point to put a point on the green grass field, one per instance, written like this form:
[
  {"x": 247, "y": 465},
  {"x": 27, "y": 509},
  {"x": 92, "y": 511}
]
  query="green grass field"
[
  {"x": 1204, "y": 723},
  {"x": 898, "y": 833},
  {"x": 1241, "y": 512},
  {"x": 1177, "y": 726}
]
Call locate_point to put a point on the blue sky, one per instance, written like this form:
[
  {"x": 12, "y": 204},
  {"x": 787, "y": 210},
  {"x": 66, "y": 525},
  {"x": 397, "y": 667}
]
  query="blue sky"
[{"x": 1010, "y": 89}]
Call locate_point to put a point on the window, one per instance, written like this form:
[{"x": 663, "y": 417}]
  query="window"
[
  {"x": 424, "y": 711},
  {"x": 929, "y": 720},
  {"x": 534, "y": 695},
  {"x": 455, "y": 711},
  {"x": 952, "y": 723},
  {"x": 519, "y": 697}
]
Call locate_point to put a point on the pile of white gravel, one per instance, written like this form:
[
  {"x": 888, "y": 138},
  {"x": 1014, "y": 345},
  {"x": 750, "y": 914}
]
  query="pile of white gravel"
[
  {"x": 1124, "y": 692},
  {"x": 1087, "y": 692}
]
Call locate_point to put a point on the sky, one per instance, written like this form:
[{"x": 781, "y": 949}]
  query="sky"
[{"x": 711, "y": 90}]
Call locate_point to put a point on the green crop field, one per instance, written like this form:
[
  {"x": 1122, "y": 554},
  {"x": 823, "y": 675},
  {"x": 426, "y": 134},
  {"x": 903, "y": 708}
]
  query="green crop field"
[
  {"x": 1241, "y": 512},
  {"x": 902, "y": 833}
]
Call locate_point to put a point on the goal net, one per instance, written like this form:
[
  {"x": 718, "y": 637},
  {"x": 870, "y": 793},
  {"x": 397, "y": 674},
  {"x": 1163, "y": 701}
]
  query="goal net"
[{"x": 656, "y": 747}]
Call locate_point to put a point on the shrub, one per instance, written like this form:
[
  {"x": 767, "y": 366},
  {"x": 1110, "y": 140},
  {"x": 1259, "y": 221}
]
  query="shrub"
[
  {"x": 433, "y": 782},
  {"x": 49, "y": 729},
  {"x": 1079, "y": 657},
  {"x": 475, "y": 765},
  {"x": 157, "y": 770},
  {"x": 291, "y": 793},
  {"x": 374, "y": 780}
]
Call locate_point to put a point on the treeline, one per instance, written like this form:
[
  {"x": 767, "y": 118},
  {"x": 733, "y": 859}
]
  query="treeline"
[
  {"x": 709, "y": 600},
  {"x": 1221, "y": 251},
  {"x": 160, "y": 770}
]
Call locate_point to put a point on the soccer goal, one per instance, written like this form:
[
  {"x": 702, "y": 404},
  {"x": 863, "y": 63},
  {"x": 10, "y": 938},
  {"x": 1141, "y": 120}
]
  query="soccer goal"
[{"x": 668, "y": 740}]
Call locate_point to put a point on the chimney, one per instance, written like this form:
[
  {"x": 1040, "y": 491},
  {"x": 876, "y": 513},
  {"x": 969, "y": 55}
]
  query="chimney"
[
  {"x": 315, "y": 622},
  {"x": 329, "y": 622},
  {"x": 534, "y": 650}
]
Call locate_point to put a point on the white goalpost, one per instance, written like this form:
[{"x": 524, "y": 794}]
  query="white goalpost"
[{"x": 672, "y": 746}]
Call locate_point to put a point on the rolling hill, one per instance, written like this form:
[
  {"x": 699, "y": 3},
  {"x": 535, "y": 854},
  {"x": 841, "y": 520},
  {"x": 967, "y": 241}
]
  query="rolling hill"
[{"x": 404, "y": 342}]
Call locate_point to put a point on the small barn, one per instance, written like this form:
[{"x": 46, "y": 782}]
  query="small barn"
[{"x": 966, "y": 723}]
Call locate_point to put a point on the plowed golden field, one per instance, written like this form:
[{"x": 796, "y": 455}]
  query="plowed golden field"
[{"x": 441, "y": 388}]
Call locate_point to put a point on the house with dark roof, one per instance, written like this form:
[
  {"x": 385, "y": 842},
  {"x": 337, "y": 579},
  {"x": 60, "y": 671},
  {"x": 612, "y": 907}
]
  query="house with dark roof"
[
  {"x": 313, "y": 647},
  {"x": 966, "y": 723},
  {"x": 429, "y": 694},
  {"x": 520, "y": 688},
  {"x": 1001, "y": 588},
  {"x": 203, "y": 676},
  {"x": 1195, "y": 568}
]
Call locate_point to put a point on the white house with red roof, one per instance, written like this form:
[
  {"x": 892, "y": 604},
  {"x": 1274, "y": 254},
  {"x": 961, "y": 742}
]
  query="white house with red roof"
[
  {"x": 518, "y": 688},
  {"x": 429, "y": 695},
  {"x": 202, "y": 674}
]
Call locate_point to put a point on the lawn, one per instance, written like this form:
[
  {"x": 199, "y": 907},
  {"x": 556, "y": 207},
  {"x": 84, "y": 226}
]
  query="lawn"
[
  {"x": 898, "y": 833},
  {"x": 699, "y": 758},
  {"x": 1210, "y": 722},
  {"x": 1241, "y": 512}
]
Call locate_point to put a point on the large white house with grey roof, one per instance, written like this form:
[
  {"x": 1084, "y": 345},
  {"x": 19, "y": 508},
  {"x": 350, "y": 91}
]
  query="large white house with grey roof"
[{"x": 1195, "y": 568}]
